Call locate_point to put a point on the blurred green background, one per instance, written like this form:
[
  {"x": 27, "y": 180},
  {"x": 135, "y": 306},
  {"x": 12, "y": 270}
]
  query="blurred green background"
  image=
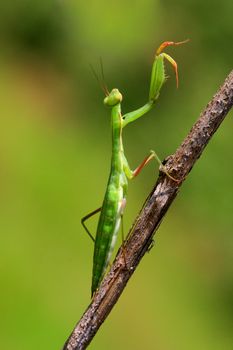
[{"x": 54, "y": 162}]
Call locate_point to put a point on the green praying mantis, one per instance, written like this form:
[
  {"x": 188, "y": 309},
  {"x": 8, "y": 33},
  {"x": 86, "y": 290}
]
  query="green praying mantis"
[{"x": 114, "y": 201}]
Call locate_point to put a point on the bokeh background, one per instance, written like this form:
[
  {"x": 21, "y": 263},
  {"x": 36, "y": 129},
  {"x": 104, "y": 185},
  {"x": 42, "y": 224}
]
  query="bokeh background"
[{"x": 54, "y": 162}]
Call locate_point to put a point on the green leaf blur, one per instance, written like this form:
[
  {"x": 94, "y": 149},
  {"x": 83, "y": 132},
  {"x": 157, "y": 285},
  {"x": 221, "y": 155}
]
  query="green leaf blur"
[{"x": 54, "y": 162}]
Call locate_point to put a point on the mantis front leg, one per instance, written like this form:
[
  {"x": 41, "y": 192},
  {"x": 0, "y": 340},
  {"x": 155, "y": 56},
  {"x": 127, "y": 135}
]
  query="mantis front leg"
[{"x": 158, "y": 78}]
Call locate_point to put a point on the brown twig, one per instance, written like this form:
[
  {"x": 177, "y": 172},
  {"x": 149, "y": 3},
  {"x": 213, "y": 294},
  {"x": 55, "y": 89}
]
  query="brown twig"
[{"x": 153, "y": 211}]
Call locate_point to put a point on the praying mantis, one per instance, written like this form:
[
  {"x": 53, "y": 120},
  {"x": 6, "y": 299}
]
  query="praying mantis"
[{"x": 114, "y": 201}]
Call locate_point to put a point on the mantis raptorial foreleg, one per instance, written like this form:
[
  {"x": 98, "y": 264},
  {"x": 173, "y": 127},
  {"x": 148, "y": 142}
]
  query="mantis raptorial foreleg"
[{"x": 132, "y": 116}]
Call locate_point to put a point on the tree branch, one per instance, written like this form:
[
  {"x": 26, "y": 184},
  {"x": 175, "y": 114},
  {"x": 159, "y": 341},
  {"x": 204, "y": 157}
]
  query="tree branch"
[{"x": 140, "y": 238}]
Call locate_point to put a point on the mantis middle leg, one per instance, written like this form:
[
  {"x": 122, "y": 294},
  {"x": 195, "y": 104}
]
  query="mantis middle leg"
[{"x": 133, "y": 173}]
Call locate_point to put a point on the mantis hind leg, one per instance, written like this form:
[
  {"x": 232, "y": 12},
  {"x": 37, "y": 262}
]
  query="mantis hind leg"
[
  {"x": 88, "y": 216},
  {"x": 123, "y": 242},
  {"x": 123, "y": 204}
]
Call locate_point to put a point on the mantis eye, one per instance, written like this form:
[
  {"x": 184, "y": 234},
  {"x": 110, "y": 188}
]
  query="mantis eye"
[{"x": 113, "y": 98}]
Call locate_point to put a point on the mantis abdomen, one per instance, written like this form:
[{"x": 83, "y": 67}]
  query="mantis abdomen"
[{"x": 107, "y": 229}]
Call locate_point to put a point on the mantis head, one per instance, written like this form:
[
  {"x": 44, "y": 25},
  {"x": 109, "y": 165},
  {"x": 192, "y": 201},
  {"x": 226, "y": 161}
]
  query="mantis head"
[{"x": 113, "y": 98}]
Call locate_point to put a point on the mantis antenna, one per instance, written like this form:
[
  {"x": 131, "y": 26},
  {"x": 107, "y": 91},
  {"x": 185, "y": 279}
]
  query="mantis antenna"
[{"x": 101, "y": 81}]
